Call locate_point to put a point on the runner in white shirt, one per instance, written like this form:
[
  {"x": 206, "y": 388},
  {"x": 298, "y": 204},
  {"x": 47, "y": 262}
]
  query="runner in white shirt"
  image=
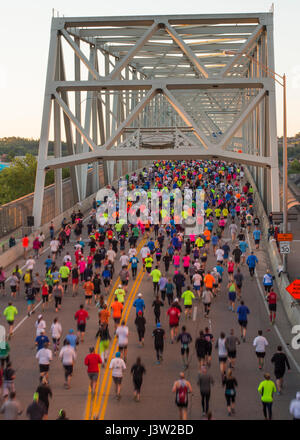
[
  {"x": 220, "y": 255},
  {"x": 67, "y": 257},
  {"x": 117, "y": 366},
  {"x": 54, "y": 245},
  {"x": 144, "y": 252},
  {"x": 111, "y": 255},
  {"x": 222, "y": 351},
  {"x": 197, "y": 278},
  {"x": 56, "y": 332},
  {"x": 132, "y": 252},
  {"x": 233, "y": 231},
  {"x": 122, "y": 334},
  {"x": 30, "y": 263},
  {"x": 124, "y": 259},
  {"x": 40, "y": 325},
  {"x": 197, "y": 264},
  {"x": 67, "y": 355},
  {"x": 260, "y": 344},
  {"x": 44, "y": 356}
]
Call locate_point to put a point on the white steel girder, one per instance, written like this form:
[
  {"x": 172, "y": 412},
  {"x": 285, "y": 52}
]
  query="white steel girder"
[{"x": 145, "y": 62}]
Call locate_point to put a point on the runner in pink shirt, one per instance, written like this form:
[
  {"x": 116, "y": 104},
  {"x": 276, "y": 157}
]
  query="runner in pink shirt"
[
  {"x": 186, "y": 263},
  {"x": 82, "y": 266},
  {"x": 176, "y": 260}
]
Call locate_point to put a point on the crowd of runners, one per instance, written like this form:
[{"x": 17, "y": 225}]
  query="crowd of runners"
[{"x": 99, "y": 270}]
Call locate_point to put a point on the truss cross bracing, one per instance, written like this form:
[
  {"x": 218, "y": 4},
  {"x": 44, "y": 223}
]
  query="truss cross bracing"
[{"x": 127, "y": 90}]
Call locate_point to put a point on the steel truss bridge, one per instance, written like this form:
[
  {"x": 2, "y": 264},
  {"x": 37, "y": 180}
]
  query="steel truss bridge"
[{"x": 125, "y": 91}]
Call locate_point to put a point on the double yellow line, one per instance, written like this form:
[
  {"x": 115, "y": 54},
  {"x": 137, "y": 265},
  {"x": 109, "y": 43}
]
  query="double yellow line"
[
  {"x": 97, "y": 399},
  {"x": 107, "y": 379}
]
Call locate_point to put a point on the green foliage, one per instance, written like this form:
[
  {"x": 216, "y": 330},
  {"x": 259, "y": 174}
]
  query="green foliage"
[
  {"x": 294, "y": 168},
  {"x": 19, "y": 179},
  {"x": 16, "y": 146}
]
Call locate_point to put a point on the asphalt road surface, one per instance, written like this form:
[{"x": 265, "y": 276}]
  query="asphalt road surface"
[{"x": 157, "y": 400}]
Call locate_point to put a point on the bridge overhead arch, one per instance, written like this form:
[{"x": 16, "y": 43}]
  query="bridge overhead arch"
[{"x": 141, "y": 88}]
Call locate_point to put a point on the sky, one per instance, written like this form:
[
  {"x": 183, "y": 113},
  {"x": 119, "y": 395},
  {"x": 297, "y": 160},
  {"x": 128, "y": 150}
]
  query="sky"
[{"x": 25, "y": 31}]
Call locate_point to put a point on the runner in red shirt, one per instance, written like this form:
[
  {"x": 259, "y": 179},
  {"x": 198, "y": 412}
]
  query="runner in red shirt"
[
  {"x": 174, "y": 315},
  {"x": 81, "y": 316},
  {"x": 92, "y": 361},
  {"x": 272, "y": 300}
]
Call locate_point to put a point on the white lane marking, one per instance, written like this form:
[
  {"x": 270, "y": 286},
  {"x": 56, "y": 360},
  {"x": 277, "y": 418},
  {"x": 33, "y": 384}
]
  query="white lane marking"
[
  {"x": 25, "y": 317},
  {"x": 38, "y": 304},
  {"x": 195, "y": 313},
  {"x": 289, "y": 353}
]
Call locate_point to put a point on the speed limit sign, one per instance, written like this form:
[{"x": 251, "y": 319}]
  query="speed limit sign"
[{"x": 284, "y": 247}]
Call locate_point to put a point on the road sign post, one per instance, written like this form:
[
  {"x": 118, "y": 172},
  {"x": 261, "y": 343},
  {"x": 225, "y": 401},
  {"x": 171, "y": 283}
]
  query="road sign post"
[
  {"x": 285, "y": 237},
  {"x": 284, "y": 247},
  {"x": 294, "y": 289}
]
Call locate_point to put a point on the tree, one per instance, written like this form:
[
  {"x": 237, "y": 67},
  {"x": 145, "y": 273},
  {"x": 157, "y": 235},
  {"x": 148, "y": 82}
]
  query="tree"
[
  {"x": 294, "y": 167},
  {"x": 19, "y": 179}
]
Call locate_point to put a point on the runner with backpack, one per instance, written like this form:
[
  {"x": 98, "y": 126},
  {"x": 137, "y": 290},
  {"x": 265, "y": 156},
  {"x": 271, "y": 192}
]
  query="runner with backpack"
[{"x": 181, "y": 388}]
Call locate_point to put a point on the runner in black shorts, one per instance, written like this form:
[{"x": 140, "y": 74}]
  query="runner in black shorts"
[{"x": 208, "y": 348}]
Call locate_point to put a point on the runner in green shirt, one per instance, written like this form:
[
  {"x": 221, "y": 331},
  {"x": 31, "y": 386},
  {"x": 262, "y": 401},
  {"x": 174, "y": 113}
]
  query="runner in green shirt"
[
  {"x": 188, "y": 297},
  {"x": 266, "y": 389},
  {"x": 64, "y": 273},
  {"x": 148, "y": 264},
  {"x": 156, "y": 276},
  {"x": 120, "y": 293},
  {"x": 10, "y": 312}
]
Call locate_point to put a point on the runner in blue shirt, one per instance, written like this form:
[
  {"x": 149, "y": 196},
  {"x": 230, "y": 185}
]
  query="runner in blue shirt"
[
  {"x": 209, "y": 225},
  {"x": 243, "y": 247},
  {"x": 251, "y": 262},
  {"x": 242, "y": 312},
  {"x": 256, "y": 236},
  {"x": 268, "y": 281},
  {"x": 139, "y": 304},
  {"x": 134, "y": 262}
]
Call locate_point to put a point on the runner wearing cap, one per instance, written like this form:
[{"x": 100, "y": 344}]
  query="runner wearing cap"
[
  {"x": 120, "y": 293},
  {"x": 117, "y": 365},
  {"x": 139, "y": 304}
]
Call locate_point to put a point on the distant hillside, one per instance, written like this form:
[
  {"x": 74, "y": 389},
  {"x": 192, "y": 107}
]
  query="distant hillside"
[{"x": 17, "y": 146}]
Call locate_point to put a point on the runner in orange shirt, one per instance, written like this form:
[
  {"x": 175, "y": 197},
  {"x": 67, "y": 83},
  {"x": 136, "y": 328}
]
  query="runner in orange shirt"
[
  {"x": 104, "y": 315},
  {"x": 117, "y": 309},
  {"x": 89, "y": 290},
  {"x": 207, "y": 235},
  {"x": 209, "y": 282}
]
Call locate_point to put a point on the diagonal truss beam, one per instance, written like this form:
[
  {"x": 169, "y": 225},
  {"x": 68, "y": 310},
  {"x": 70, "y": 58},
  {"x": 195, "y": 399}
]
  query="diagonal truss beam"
[
  {"x": 239, "y": 122},
  {"x": 75, "y": 121},
  {"x": 131, "y": 117},
  {"x": 132, "y": 52},
  {"x": 243, "y": 49},
  {"x": 187, "y": 119},
  {"x": 80, "y": 54},
  {"x": 186, "y": 50}
]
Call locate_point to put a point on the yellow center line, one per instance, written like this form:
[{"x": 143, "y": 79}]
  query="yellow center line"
[
  {"x": 109, "y": 301},
  {"x": 112, "y": 349},
  {"x": 102, "y": 415},
  {"x": 87, "y": 411}
]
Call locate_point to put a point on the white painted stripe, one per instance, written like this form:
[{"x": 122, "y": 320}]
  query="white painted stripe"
[
  {"x": 38, "y": 304},
  {"x": 195, "y": 313}
]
